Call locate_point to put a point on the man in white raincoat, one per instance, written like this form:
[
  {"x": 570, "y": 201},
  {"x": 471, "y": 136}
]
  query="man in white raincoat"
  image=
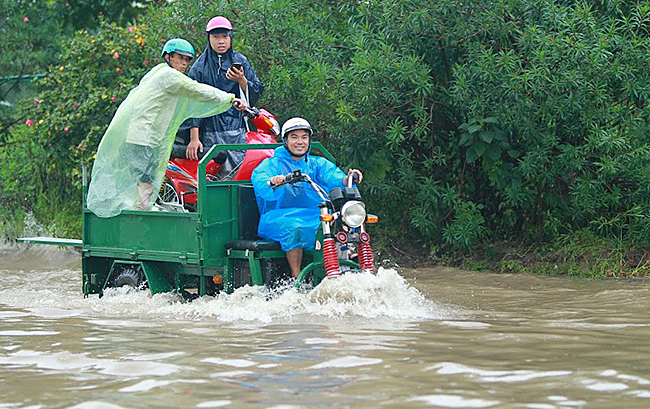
[{"x": 133, "y": 154}]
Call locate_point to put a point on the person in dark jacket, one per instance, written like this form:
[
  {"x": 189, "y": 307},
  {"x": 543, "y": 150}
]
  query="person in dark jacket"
[{"x": 222, "y": 67}]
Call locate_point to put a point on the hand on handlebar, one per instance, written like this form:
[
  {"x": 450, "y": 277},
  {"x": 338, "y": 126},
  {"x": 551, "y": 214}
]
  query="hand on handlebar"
[
  {"x": 239, "y": 104},
  {"x": 276, "y": 180},
  {"x": 356, "y": 176},
  {"x": 293, "y": 177}
]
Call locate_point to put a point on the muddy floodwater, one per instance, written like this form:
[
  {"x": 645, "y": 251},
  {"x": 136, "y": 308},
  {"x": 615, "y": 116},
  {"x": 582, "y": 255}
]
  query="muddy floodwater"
[{"x": 426, "y": 338}]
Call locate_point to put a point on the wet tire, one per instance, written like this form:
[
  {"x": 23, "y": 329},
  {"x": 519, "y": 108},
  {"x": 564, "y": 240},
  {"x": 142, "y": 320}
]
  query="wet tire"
[{"x": 131, "y": 276}]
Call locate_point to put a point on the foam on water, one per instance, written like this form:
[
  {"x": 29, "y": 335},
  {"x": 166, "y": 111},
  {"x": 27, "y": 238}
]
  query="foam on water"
[
  {"x": 347, "y": 362},
  {"x": 214, "y": 404},
  {"x": 56, "y": 294},
  {"x": 96, "y": 405},
  {"x": 238, "y": 363},
  {"x": 451, "y": 368},
  {"x": 455, "y": 401},
  {"x": 67, "y": 361}
]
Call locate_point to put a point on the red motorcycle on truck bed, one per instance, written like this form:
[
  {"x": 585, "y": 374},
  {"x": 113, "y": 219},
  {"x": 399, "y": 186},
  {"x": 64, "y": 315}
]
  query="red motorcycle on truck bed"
[{"x": 179, "y": 187}]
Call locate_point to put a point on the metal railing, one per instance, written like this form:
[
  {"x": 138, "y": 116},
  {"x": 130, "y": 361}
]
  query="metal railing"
[{"x": 20, "y": 78}]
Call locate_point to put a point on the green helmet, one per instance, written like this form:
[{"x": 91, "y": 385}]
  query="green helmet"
[{"x": 178, "y": 45}]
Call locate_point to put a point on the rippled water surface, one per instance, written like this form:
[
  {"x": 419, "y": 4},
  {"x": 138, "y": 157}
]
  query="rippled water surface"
[{"x": 403, "y": 339}]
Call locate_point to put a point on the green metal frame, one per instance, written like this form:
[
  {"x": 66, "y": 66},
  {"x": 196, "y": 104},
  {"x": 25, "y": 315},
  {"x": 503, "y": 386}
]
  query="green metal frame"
[
  {"x": 21, "y": 78},
  {"x": 319, "y": 265},
  {"x": 177, "y": 250}
]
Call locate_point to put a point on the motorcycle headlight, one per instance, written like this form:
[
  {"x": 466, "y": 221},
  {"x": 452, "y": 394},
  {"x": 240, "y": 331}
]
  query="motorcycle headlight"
[{"x": 353, "y": 213}]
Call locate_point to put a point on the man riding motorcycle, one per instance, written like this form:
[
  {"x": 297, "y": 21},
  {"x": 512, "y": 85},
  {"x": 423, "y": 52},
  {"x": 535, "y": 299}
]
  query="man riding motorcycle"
[{"x": 290, "y": 214}]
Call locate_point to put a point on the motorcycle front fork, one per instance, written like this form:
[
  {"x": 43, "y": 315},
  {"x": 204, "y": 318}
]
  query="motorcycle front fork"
[
  {"x": 366, "y": 260},
  {"x": 330, "y": 251},
  {"x": 330, "y": 256}
]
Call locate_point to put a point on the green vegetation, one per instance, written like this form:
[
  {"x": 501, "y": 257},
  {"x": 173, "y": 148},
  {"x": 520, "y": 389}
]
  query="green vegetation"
[
  {"x": 581, "y": 254},
  {"x": 475, "y": 123}
]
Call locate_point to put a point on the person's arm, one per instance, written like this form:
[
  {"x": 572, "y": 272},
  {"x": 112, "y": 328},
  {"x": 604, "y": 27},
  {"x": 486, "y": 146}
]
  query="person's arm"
[
  {"x": 328, "y": 174},
  {"x": 203, "y": 100},
  {"x": 263, "y": 173},
  {"x": 238, "y": 75},
  {"x": 195, "y": 146},
  {"x": 247, "y": 80},
  {"x": 196, "y": 73}
]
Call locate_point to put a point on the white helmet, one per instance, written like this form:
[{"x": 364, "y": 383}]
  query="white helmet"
[{"x": 294, "y": 124}]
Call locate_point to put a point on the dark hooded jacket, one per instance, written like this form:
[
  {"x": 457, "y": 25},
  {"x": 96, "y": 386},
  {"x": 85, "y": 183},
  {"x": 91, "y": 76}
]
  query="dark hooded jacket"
[{"x": 229, "y": 127}]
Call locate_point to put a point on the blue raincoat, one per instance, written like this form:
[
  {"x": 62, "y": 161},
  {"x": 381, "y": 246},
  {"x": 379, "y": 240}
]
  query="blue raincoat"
[
  {"x": 210, "y": 68},
  {"x": 290, "y": 214}
]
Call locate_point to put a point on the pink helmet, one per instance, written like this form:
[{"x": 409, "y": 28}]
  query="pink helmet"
[{"x": 218, "y": 22}]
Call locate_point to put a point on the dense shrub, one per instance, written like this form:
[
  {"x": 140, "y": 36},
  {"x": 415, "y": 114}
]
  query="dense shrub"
[{"x": 471, "y": 121}]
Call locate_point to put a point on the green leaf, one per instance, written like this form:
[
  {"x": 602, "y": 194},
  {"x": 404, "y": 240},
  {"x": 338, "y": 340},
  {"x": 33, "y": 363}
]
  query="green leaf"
[
  {"x": 466, "y": 139},
  {"x": 480, "y": 147},
  {"x": 474, "y": 128},
  {"x": 471, "y": 155},
  {"x": 487, "y": 136},
  {"x": 494, "y": 152},
  {"x": 513, "y": 153}
]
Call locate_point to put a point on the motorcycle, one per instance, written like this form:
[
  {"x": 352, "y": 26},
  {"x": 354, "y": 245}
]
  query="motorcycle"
[
  {"x": 179, "y": 189},
  {"x": 343, "y": 218}
]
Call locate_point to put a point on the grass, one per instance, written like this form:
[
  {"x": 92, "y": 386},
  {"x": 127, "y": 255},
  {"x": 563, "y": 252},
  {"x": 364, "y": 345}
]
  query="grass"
[
  {"x": 580, "y": 254},
  {"x": 49, "y": 217}
]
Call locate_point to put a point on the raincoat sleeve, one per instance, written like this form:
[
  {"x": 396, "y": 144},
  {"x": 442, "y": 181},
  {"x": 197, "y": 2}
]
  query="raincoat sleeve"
[
  {"x": 197, "y": 75},
  {"x": 328, "y": 175},
  {"x": 202, "y": 100},
  {"x": 266, "y": 196}
]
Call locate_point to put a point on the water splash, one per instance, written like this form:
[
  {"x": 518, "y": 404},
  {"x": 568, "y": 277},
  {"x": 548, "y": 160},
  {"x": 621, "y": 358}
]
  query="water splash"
[
  {"x": 52, "y": 290},
  {"x": 386, "y": 294}
]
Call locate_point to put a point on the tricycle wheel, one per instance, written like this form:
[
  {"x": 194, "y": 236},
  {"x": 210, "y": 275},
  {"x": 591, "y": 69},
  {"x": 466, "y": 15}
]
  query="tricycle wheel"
[
  {"x": 306, "y": 279},
  {"x": 131, "y": 276}
]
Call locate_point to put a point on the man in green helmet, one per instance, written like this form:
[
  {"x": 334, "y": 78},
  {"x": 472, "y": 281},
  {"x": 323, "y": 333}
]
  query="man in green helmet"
[{"x": 133, "y": 154}]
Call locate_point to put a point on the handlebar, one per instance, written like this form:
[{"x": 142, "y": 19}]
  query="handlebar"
[
  {"x": 293, "y": 177},
  {"x": 297, "y": 176},
  {"x": 353, "y": 179},
  {"x": 251, "y": 112}
]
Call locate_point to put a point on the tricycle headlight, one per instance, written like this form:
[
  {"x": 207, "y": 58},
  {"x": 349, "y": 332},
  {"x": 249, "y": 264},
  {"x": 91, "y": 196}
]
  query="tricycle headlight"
[{"x": 353, "y": 213}]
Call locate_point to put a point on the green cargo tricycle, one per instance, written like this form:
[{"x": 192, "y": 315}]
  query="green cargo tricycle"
[{"x": 215, "y": 248}]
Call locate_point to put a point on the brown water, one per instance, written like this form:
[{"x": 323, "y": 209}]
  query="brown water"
[{"x": 404, "y": 339}]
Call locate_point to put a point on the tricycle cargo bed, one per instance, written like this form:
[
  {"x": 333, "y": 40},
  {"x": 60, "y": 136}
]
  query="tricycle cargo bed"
[{"x": 137, "y": 235}]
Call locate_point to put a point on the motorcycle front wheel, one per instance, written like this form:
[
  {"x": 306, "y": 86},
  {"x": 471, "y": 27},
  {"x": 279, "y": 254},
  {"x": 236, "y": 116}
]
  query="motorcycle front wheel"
[{"x": 168, "y": 194}]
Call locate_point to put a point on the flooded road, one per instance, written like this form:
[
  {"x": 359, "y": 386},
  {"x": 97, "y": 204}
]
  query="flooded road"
[{"x": 440, "y": 338}]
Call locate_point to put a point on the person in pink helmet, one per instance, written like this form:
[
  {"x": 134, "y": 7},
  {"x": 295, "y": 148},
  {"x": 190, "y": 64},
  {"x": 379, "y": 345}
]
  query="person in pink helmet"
[
  {"x": 133, "y": 153},
  {"x": 222, "y": 67}
]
